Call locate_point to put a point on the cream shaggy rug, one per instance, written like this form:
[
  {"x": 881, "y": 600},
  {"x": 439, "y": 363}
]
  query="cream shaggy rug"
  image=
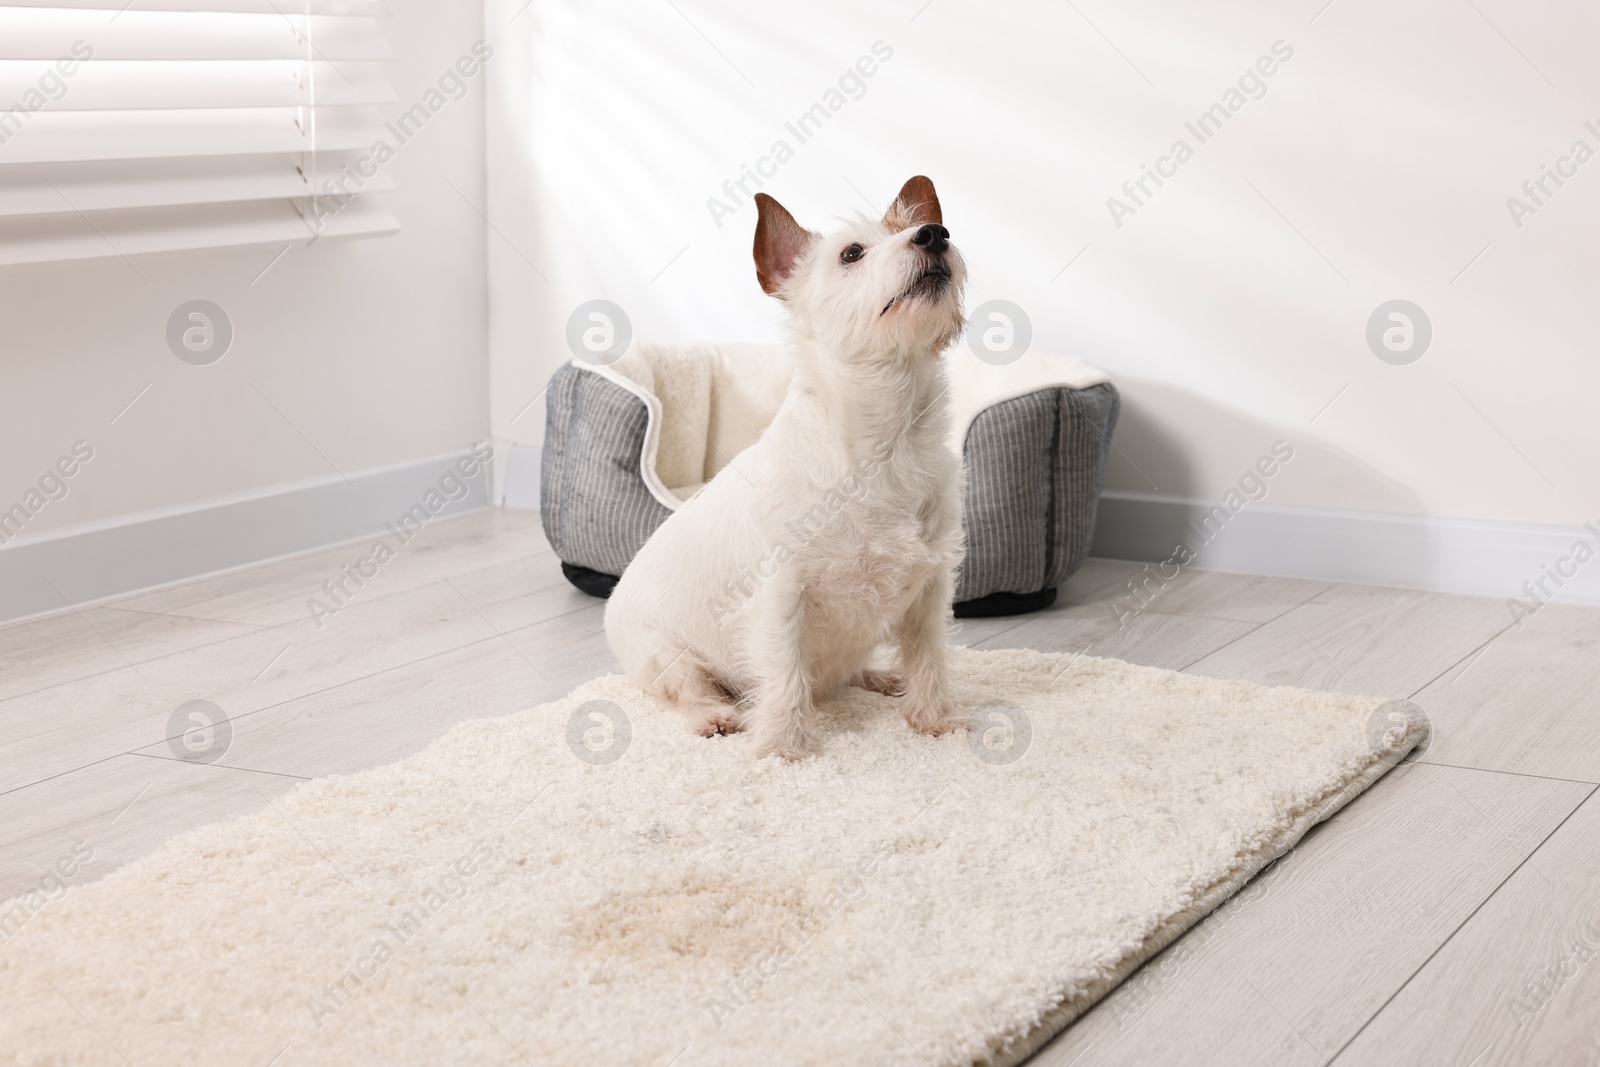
[{"x": 588, "y": 882}]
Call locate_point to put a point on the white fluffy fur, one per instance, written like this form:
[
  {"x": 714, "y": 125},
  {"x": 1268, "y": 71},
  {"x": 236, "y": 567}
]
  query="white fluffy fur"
[{"x": 840, "y": 528}]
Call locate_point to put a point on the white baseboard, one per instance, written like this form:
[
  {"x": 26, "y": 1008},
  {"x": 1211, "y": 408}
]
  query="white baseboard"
[
  {"x": 522, "y": 476},
  {"x": 1471, "y": 556},
  {"x": 104, "y": 560},
  {"x": 101, "y": 560}
]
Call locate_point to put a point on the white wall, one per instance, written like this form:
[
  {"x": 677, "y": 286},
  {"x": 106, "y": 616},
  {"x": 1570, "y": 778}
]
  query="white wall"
[
  {"x": 1231, "y": 308},
  {"x": 373, "y": 349}
]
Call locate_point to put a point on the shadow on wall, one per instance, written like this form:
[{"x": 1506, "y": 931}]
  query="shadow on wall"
[{"x": 1156, "y": 500}]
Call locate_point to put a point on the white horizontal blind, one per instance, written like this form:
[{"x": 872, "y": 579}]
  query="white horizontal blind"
[{"x": 186, "y": 124}]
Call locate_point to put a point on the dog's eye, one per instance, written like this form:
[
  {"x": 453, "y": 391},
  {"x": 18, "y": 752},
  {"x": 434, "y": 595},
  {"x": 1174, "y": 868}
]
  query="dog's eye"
[{"x": 851, "y": 254}]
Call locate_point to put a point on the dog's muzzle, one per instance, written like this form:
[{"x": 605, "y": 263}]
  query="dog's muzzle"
[{"x": 934, "y": 241}]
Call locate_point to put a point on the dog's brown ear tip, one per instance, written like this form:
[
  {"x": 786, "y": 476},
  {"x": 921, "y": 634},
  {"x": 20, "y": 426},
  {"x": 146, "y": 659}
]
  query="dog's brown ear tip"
[{"x": 917, "y": 202}]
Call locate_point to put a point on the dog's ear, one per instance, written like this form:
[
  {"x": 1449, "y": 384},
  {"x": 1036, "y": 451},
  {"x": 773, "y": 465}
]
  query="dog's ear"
[
  {"x": 780, "y": 241},
  {"x": 916, "y": 204}
]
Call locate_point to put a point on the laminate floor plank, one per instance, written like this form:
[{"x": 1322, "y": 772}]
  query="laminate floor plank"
[
  {"x": 1361, "y": 639},
  {"x": 1293, "y": 966},
  {"x": 1517, "y": 984}
]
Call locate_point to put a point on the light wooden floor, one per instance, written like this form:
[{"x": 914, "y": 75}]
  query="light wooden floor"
[{"x": 1449, "y": 916}]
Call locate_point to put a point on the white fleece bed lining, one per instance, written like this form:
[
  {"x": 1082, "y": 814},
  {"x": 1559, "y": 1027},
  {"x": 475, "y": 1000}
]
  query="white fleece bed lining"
[{"x": 974, "y": 386}]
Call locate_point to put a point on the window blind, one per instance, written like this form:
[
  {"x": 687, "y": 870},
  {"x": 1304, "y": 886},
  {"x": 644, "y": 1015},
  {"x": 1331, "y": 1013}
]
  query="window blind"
[{"x": 184, "y": 124}]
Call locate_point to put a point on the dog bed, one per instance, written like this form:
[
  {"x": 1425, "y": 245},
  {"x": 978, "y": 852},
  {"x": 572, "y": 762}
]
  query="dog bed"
[{"x": 628, "y": 442}]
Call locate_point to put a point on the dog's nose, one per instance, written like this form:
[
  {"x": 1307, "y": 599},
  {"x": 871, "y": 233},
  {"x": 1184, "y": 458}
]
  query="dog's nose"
[{"x": 932, "y": 236}]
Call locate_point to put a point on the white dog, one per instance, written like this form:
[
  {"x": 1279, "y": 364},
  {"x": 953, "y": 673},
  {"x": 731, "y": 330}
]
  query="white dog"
[{"x": 840, "y": 529}]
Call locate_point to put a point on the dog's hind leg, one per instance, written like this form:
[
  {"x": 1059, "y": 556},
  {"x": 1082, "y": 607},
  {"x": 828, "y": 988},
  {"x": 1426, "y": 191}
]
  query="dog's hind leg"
[
  {"x": 713, "y": 719},
  {"x": 687, "y": 682},
  {"x": 889, "y": 683}
]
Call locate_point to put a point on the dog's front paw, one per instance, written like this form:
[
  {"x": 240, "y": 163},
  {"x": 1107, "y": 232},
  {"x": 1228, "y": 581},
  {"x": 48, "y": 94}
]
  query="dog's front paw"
[
  {"x": 934, "y": 722},
  {"x": 790, "y": 741}
]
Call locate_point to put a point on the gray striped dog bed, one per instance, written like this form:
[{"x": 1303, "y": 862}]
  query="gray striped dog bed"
[{"x": 1035, "y": 462}]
